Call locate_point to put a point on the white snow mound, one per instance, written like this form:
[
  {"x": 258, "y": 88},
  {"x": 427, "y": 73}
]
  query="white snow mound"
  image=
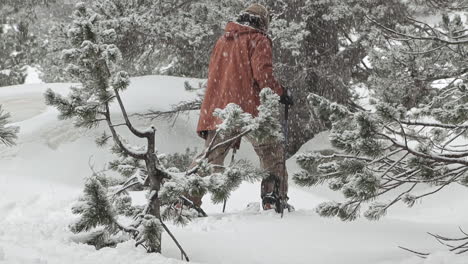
[{"x": 42, "y": 176}]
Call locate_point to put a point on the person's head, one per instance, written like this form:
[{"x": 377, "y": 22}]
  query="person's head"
[{"x": 256, "y": 16}]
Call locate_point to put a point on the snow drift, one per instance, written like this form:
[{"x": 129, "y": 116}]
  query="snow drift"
[{"x": 44, "y": 173}]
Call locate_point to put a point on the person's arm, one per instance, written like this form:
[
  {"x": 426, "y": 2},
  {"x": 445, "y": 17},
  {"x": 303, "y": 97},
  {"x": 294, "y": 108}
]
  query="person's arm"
[{"x": 262, "y": 66}]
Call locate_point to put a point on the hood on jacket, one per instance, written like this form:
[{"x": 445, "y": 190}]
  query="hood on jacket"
[{"x": 234, "y": 29}]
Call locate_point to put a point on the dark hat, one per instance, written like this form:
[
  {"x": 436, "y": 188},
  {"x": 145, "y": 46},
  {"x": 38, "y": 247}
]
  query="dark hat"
[{"x": 261, "y": 12}]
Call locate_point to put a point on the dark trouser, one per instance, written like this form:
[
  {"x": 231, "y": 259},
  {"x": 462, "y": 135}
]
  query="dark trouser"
[{"x": 271, "y": 155}]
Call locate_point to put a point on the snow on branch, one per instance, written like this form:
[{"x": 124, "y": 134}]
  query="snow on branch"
[
  {"x": 390, "y": 150},
  {"x": 180, "y": 108},
  {"x": 431, "y": 35},
  {"x": 8, "y": 133}
]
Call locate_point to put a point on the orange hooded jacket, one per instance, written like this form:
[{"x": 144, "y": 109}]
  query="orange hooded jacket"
[{"x": 240, "y": 67}]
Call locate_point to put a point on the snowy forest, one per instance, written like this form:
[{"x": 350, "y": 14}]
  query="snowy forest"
[{"x": 270, "y": 131}]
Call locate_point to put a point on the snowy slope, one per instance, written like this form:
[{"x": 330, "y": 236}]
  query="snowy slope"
[{"x": 43, "y": 174}]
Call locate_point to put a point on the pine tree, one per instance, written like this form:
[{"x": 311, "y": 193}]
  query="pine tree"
[
  {"x": 14, "y": 39},
  {"x": 50, "y": 25},
  {"x": 165, "y": 37},
  {"x": 8, "y": 133},
  {"x": 94, "y": 61},
  {"x": 19, "y": 46},
  {"x": 415, "y": 133}
]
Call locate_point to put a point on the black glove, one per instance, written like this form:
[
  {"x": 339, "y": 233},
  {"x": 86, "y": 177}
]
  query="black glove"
[{"x": 286, "y": 98}]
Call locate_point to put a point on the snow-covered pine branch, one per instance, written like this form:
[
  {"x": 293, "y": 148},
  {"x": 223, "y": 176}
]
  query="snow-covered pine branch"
[
  {"x": 414, "y": 134},
  {"x": 390, "y": 149},
  {"x": 221, "y": 182},
  {"x": 8, "y": 133},
  {"x": 176, "y": 110},
  {"x": 405, "y": 147},
  {"x": 178, "y": 184}
]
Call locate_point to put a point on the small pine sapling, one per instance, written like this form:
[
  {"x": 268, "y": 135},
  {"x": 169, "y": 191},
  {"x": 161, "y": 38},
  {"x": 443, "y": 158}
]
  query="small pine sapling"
[{"x": 94, "y": 60}]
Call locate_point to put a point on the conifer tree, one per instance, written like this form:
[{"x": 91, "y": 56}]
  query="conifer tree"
[
  {"x": 94, "y": 61},
  {"x": 393, "y": 146},
  {"x": 414, "y": 134},
  {"x": 19, "y": 46}
]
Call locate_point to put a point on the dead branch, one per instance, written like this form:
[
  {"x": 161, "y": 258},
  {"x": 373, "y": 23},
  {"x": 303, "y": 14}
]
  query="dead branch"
[
  {"x": 181, "y": 108},
  {"x": 175, "y": 240}
]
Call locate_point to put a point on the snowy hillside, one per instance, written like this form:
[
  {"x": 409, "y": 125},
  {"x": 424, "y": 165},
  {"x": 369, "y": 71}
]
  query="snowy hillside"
[{"x": 42, "y": 176}]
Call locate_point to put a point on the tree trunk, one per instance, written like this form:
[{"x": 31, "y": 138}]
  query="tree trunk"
[
  {"x": 327, "y": 73},
  {"x": 155, "y": 177}
]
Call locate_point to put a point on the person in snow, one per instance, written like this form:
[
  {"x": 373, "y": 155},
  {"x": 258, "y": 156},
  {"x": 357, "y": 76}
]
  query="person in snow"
[{"x": 240, "y": 67}]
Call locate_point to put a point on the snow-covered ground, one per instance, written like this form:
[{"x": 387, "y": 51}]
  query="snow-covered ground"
[{"x": 42, "y": 176}]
